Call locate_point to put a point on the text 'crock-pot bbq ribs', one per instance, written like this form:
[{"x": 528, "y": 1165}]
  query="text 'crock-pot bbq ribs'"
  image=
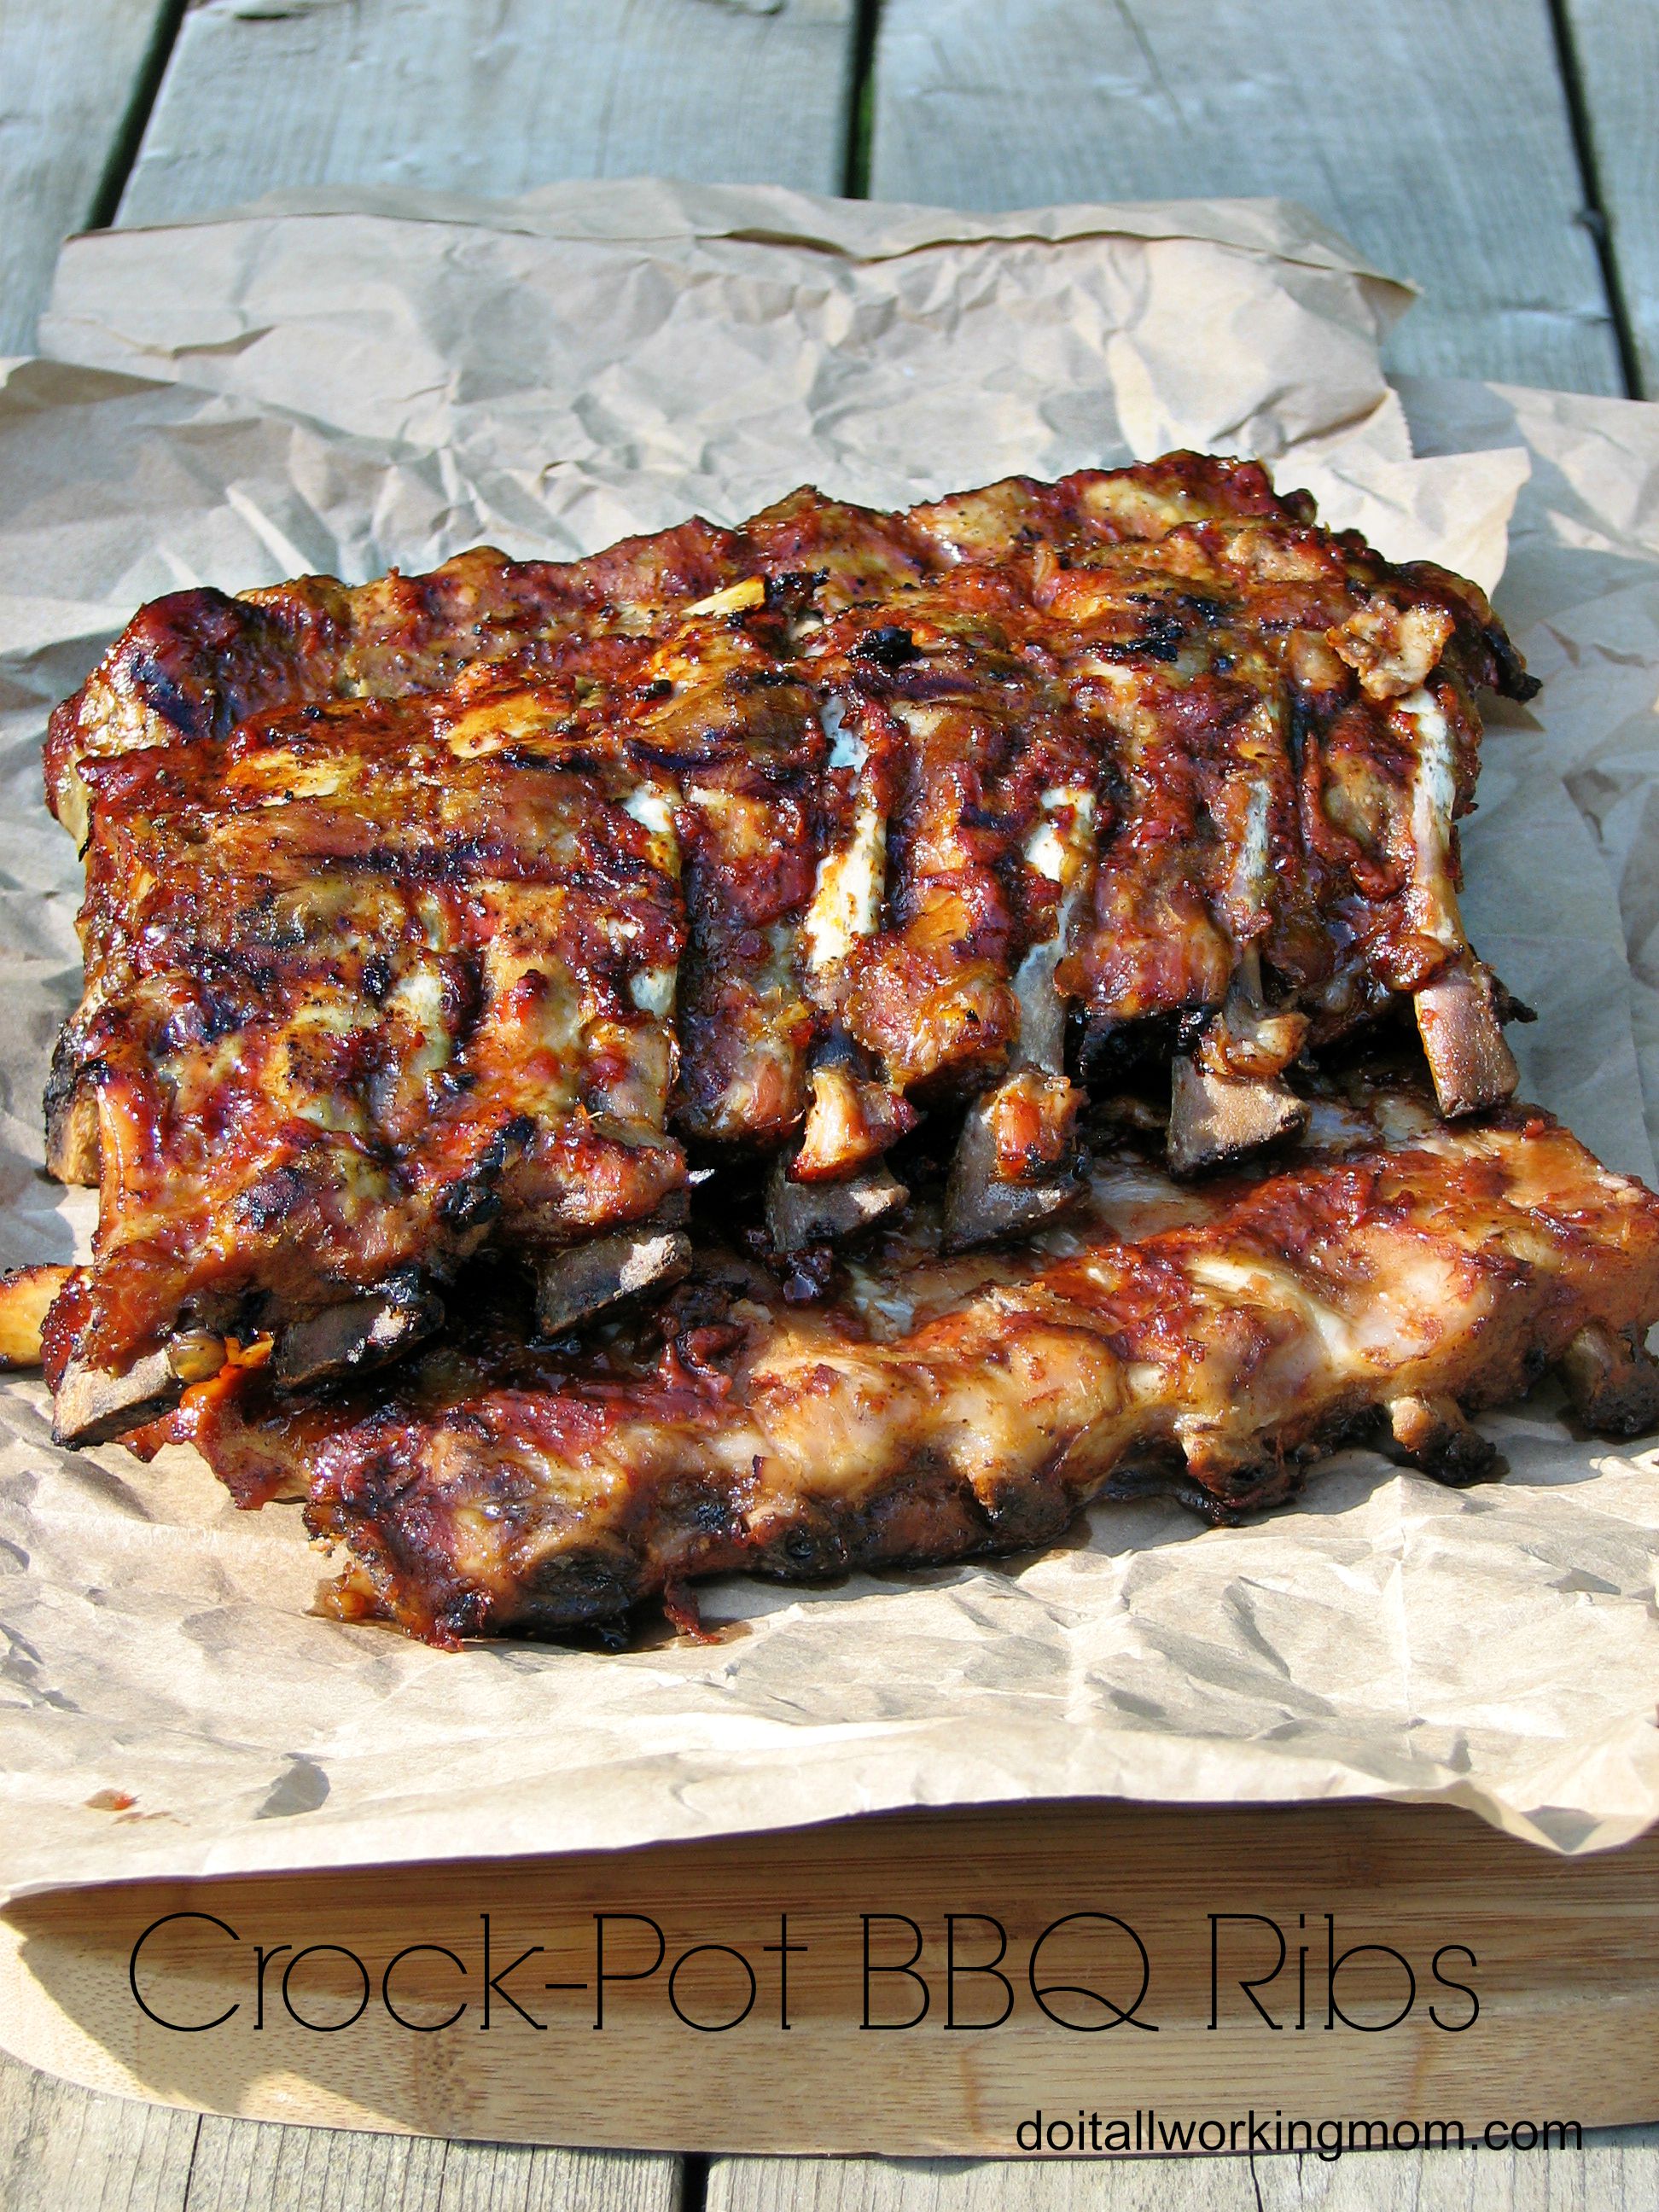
[{"x": 497, "y": 915}]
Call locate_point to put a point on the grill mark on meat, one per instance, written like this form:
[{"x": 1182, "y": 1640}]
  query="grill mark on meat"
[{"x": 1016, "y": 1160}]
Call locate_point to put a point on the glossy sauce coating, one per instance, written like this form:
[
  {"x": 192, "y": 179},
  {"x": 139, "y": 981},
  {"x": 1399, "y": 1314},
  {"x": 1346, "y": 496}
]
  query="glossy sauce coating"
[
  {"x": 444, "y": 913},
  {"x": 1209, "y": 1342}
]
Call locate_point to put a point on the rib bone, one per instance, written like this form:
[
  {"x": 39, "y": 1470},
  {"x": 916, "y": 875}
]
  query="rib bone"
[
  {"x": 1613, "y": 1384},
  {"x": 1457, "y": 1017},
  {"x": 847, "y": 896},
  {"x": 799, "y": 1214},
  {"x": 1214, "y": 1120},
  {"x": 1431, "y": 1433},
  {"x": 852, "y": 1120},
  {"x": 93, "y": 1404},
  {"x": 986, "y": 1196},
  {"x": 1457, "y": 1021},
  {"x": 574, "y": 1286},
  {"x": 1228, "y": 1098},
  {"x": 356, "y": 1335},
  {"x": 980, "y": 1202}
]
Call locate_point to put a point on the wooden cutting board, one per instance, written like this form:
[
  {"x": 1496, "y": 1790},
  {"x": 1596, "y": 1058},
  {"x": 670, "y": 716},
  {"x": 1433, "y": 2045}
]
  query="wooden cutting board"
[{"x": 1521, "y": 1988}]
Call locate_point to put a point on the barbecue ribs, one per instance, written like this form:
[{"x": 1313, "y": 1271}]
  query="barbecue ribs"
[
  {"x": 1209, "y": 1342},
  {"x": 489, "y": 907}
]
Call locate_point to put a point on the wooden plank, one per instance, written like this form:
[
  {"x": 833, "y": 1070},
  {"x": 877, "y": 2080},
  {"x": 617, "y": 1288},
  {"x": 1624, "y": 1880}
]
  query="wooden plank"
[
  {"x": 61, "y": 2146},
  {"x": 1435, "y": 135},
  {"x": 866, "y": 2185},
  {"x": 1619, "y": 2174},
  {"x": 492, "y": 96},
  {"x": 242, "y": 2166},
  {"x": 69, "y": 73},
  {"x": 1615, "y": 48},
  {"x": 1567, "y": 1955}
]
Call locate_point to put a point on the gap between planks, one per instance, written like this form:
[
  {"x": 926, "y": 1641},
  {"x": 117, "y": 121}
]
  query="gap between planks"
[
  {"x": 1595, "y": 215},
  {"x": 1610, "y": 64},
  {"x": 860, "y": 105},
  {"x": 76, "y": 81}
]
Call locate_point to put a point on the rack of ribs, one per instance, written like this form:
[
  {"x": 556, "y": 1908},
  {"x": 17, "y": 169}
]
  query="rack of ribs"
[
  {"x": 1210, "y": 1340},
  {"x": 490, "y": 911}
]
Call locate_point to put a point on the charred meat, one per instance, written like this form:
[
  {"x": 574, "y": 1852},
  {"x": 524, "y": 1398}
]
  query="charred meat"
[
  {"x": 1207, "y": 1341},
  {"x": 445, "y": 915}
]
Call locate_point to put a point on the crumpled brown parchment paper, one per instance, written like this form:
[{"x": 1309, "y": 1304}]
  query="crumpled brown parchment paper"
[{"x": 344, "y": 385}]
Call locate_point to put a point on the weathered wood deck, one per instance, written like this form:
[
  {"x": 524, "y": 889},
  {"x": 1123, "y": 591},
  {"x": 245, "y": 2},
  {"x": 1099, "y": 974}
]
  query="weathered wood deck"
[{"x": 1500, "y": 152}]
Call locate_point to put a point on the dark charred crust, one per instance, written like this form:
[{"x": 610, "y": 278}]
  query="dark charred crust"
[
  {"x": 164, "y": 648},
  {"x": 1507, "y": 1006},
  {"x": 1109, "y": 1052},
  {"x": 889, "y": 647},
  {"x": 1511, "y": 678},
  {"x": 577, "y": 1588},
  {"x": 814, "y": 1544},
  {"x": 1222, "y": 1499},
  {"x": 930, "y": 1518},
  {"x": 471, "y": 1205},
  {"x": 1245, "y": 1492},
  {"x": 1020, "y": 1516}
]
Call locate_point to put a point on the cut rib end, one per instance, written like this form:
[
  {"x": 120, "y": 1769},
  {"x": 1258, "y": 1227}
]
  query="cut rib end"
[
  {"x": 981, "y": 1202},
  {"x": 1612, "y": 1384},
  {"x": 588, "y": 1278},
  {"x": 799, "y": 1215},
  {"x": 1214, "y": 1118},
  {"x": 1432, "y": 1434},
  {"x": 356, "y": 1336},
  {"x": 1464, "y": 1039},
  {"x": 95, "y": 1405}
]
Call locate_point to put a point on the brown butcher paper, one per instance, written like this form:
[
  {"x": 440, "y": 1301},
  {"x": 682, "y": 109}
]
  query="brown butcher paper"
[{"x": 345, "y": 384}]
